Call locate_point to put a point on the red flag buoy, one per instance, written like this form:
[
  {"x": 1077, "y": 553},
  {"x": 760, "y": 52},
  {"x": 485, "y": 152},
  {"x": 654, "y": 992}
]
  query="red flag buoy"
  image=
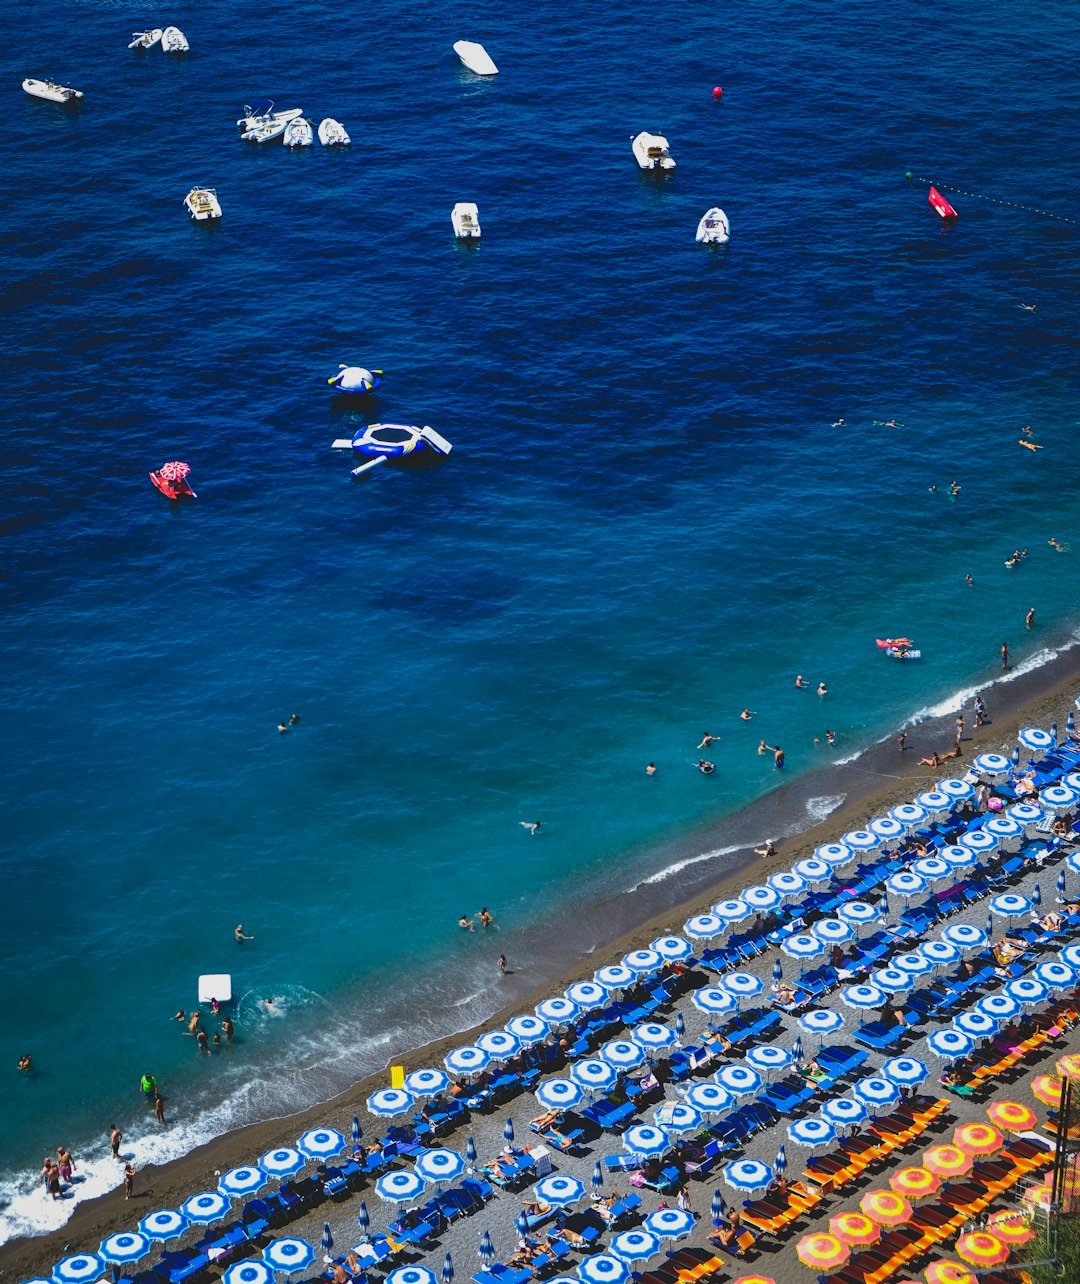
[{"x": 717, "y": 92}]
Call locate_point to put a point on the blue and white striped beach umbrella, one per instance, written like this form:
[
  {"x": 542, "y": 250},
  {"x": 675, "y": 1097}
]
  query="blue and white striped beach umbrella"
[
  {"x": 205, "y": 1207},
  {"x": 287, "y": 1255},
  {"x": 508, "y": 1131},
  {"x": 709, "y": 1098},
  {"x": 559, "y": 1094},
  {"x": 1070, "y": 955},
  {"x": 887, "y": 829},
  {"x": 588, "y": 995},
  {"x": 500, "y": 1045},
  {"x": 635, "y": 1245},
  {"x": 165, "y": 1224},
  {"x": 672, "y": 949},
  {"x": 956, "y": 789},
  {"x": 732, "y": 911},
  {"x": 768, "y": 1058},
  {"x": 623, "y": 1054},
  {"x": 1059, "y": 798},
  {"x": 321, "y": 1143},
  {"x": 892, "y": 980},
  {"x": 1026, "y": 990},
  {"x": 558, "y": 1010},
  {"x": 786, "y": 883},
  {"x": 387, "y": 1103},
  {"x": 813, "y": 870},
  {"x": 713, "y": 1000},
  {"x": 742, "y": 985},
  {"x": 905, "y": 1072},
  {"x": 991, "y": 764},
  {"x": 833, "y": 931},
  {"x": 239, "y": 1182},
  {"x": 811, "y": 1132},
  {"x": 906, "y": 884},
  {"x": 646, "y": 1140},
  {"x": 821, "y": 1021},
  {"x": 560, "y": 1190},
  {"x": 803, "y": 946},
  {"x": 486, "y": 1249},
  {"x": 1009, "y": 905},
  {"x": 357, "y": 1132},
  {"x": 597, "y": 1179},
  {"x": 861, "y": 840},
  {"x": 423, "y": 1083},
  {"x": 400, "y": 1187},
  {"x": 653, "y": 1036},
  {"x": 527, "y": 1028},
  {"x": 248, "y": 1272},
  {"x": 978, "y": 840},
  {"x": 875, "y": 1091},
  {"x": 862, "y": 996},
  {"x": 957, "y": 857},
  {"x": 915, "y": 964},
  {"x": 643, "y": 962},
  {"x": 677, "y": 1117},
  {"x": 843, "y": 1111},
  {"x": 1026, "y": 814},
  {"x": 932, "y": 868},
  {"x": 594, "y": 1075},
  {"x": 703, "y": 927},
  {"x": 447, "y": 1269},
  {"x": 999, "y": 1006},
  {"x": 440, "y": 1165},
  {"x": 470, "y": 1059},
  {"x": 950, "y": 1044},
  {"x": 411, "y": 1275},
  {"x": 748, "y": 1174},
  {"x": 1036, "y": 739},
  {"x": 79, "y": 1268},
  {"x": 1073, "y": 861},
  {"x": 363, "y": 1219},
  {"x": 934, "y": 802},
  {"x": 938, "y": 953},
  {"x": 125, "y": 1247},
  {"x": 835, "y": 854},
  {"x": 669, "y": 1223},
  {"x": 858, "y": 913},
  {"x": 718, "y": 1206},
  {"x": 738, "y": 1080},
  {"x": 616, "y": 977},
  {"x": 1006, "y": 829},
  {"x": 603, "y": 1268},
  {"x": 761, "y": 899},
  {"x": 910, "y": 815},
  {"x": 976, "y": 1024},
  {"x": 965, "y": 936}
]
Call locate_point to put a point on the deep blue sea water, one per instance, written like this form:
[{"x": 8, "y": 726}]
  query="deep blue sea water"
[{"x": 648, "y": 521}]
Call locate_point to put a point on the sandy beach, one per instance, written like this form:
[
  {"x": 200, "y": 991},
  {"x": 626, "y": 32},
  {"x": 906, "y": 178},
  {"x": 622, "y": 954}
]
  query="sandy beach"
[{"x": 877, "y": 780}]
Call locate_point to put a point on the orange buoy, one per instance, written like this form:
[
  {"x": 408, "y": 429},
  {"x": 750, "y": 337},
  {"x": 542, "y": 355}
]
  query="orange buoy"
[{"x": 717, "y": 92}]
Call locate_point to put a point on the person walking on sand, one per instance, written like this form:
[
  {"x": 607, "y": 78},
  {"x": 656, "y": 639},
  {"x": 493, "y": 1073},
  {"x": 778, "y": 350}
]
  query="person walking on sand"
[
  {"x": 959, "y": 727},
  {"x": 901, "y": 741},
  {"x": 1029, "y": 619},
  {"x": 129, "y": 1181},
  {"x": 65, "y": 1163},
  {"x": 115, "y": 1138},
  {"x": 1004, "y": 655},
  {"x": 238, "y": 933}
]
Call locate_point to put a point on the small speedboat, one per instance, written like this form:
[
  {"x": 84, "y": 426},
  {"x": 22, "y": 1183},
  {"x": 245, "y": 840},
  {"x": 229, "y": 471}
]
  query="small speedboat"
[
  {"x": 298, "y": 133},
  {"x": 173, "y": 40},
  {"x": 332, "y": 133},
  {"x": 651, "y": 151},
  {"x": 203, "y": 204},
  {"x": 713, "y": 228},
  {"x": 265, "y": 132},
  {"x": 51, "y": 91},
  {"x": 262, "y": 112},
  {"x": 475, "y": 57},
  {"x": 355, "y": 379},
  {"x": 466, "y": 220},
  {"x": 171, "y": 480},
  {"x": 145, "y": 39}
]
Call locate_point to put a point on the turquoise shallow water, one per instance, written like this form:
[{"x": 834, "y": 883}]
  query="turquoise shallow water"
[{"x": 648, "y": 521}]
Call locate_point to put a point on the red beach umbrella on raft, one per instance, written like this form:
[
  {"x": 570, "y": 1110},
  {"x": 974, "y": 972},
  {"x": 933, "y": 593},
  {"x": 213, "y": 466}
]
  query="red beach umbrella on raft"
[{"x": 174, "y": 471}]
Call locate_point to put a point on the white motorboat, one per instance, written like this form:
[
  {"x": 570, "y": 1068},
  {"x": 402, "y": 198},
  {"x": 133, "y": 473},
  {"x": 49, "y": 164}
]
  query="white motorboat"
[
  {"x": 713, "y": 228},
  {"x": 466, "y": 220},
  {"x": 262, "y": 113},
  {"x": 203, "y": 204},
  {"x": 332, "y": 133},
  {"x": 651, "y": 151},
  {"x": 298, "y": 133},
  {"x": 145, "y": 39},
  {"x": 173, "y": 40},
  {"x": 475, "y": 57},
  {"x": 51, "y": 91},
  {"x": 266, "y": 132}
]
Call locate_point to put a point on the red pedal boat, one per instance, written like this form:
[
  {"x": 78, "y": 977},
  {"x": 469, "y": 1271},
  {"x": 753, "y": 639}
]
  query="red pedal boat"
[
  {"x": 940, "y": 204},
  {"x": 171, "y": 480}
]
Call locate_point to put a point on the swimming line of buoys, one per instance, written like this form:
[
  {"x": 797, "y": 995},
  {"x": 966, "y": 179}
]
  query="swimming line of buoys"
[{"x": 993, "y": 200}]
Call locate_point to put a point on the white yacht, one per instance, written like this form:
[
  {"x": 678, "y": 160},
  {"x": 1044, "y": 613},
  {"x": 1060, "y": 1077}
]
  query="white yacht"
[
  {"x": 173, "y": 40},
  {"x": 145, "y": 39},
  {"x": 203, "y": 204},
  {"x": 466, "y": 220},
  {"x": 713, "y": 228},
  {"x": 51, "y": 91},
  {"x": 298, "y": 133},
  {"x": 265, "y": 132},
  {"x": 475, "y": 57},
  {"x": 651, "y": 151},
  {"x": 332, "y": 133}
]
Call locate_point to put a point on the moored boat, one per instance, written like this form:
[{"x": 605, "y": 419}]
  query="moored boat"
[
  {"x": 651, "y": 151},
  {"x": 145, "y": 39},
  {"x": 298, "y": 133},
  {"x": 266, "y": 132},
  {"x": 172, "y": 480},
  {"x": 713, "y": 228},
  {"x": 465, "y": 218},
  {"x": 50, "y": 91},
  {"x": 262, "y": 112},
  {"x": 332, "y": 133},
  {"x": 475, "y": 57},
  {"x": 173, "y": 40},
  {"x": 203, "y": 204}
]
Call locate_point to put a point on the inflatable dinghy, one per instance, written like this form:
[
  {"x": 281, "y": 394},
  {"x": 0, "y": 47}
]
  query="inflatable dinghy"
[{"x": 475, "y": 57}]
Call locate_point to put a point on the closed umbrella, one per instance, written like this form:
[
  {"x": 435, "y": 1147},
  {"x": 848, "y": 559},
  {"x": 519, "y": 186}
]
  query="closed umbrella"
[
  {"x": 796, "y": 1049},
  {"x": 470, "y": 1151},
  {"x": 597, "y": 1181},
  {"x": 486, "y": 1251},
  {"x": 680, "y": 1026},
  {"x": 421, "y": 1083},
  {"x": 780, "y": 1162},
  {"x": 522, "y": 1223},
  {"x": 363, "y": 1221},
  {"x": 1061, "y": 885},
  {"x": 718, "y": 1206},
  {"x": 327, "y": 1237},
  {"x": 448, "y": 1269},
  {"x": 777, "y": 970},
  {"x": 357, "y": 1131},
  {"x": 508, "y": 1131}
]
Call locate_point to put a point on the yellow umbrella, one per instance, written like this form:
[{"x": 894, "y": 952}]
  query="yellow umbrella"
[
  {"x": 978, "y": 1138},
  {"x": 1012, "y": 1116},
  {"x": 855, "y": 1229},
  {"x": 948, "y": 1273},
  {"x": 1069, "y": 1066},
  {"x": 947, "y": 1161},
  {"x": 980, "y": 1248},
  {"x": 1047, "y": 1088},
  {"x": 822, "y": 1252},
  {"x": 915, "y": 1183},
  {"x": 886, "y": 1207}
]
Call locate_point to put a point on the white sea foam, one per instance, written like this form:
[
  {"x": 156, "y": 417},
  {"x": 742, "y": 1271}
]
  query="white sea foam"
[
  {"x": 819, "y": 808},
  {"x": 669, "y": 871}
]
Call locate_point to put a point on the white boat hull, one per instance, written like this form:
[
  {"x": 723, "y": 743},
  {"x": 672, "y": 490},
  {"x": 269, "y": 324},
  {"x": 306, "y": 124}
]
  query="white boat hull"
[
  {"x": 332, "y": 133},
  {"x": 298, "y": 133},
  {"x": 475, "y": 57},
  {"x": 173, "y": 40},
  {"x": 651, "y": 151},
  {"x": 713, "y": 228},
  {"x": 465, "y": 218},
  {"x": 50, "y": 91},
  {"x": 265, "y": 133},
  {"x": 203, "y": 204},
  {"x": 145, "y": 39}
]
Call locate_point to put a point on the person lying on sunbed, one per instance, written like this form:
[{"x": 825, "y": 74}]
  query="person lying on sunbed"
[
  {"x": 785, "y": 995},
  {"x": 1049, "y": 922},
  {"x": 729, "y": 1230},
  {"x": 536, "y": 1208},
  {"x": 811, "y": 1070},
  {"x": 549, "y": 1119}
]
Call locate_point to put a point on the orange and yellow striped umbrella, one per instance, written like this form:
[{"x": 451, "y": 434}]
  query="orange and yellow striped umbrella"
[
  {"x": 915, "y": 1183},
  {"x": 755, "y": 1279},
  {"x": 1069, "y": 1066},
  {"x": 1047, "y": 1088},
  {"x": 1012, "y": 1116},
  {"x": 980, "y": 1248},
  {"x": 1012, "y": 1228},
  {"x": 886, "y": 1207},
  {"x": 948, "y": 1273},
  {"x": 1038, "y": 1196},
  {"x": 978, "y": 1139},
  {"x": 947, "y": 1161},
  {"x": 822, "y": 1252},
  {"x": 855, "y": 1229}
]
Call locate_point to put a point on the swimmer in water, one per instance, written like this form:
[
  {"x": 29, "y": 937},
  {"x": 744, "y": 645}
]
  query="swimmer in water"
[
  {"x": 706, "y": 740},
  {"x": 705, "y": 767},
  {"x": 800, "y": 681},
  {"x": 531, "y": 825},
  {"x": 193, "y": 1024},
  {"x": 1061, "y": 548},
  {"x": 466, "y": 922},
  {"x": 1028, "y": 431},
  {"x": 746, "y": 715},
  {"x": 830, "y": 736},
  {"x": 762, "y": 747},
  {"x": 954, "y": 488},
  {"x": 888, "y": 423},
  {"x": 1026, "y": 307},
  {"x": 238, "y": 932},
  {"x": 26, "y": 1062},
  {"x": 282, "y": 727},
  {"x": 294, "y": 718},
  {"x": 1028, "y": 445},
  {"x": 969, "y": 580},
  {"x": 932, "y": 489},
  {"x": 838, "y": 423},
  {"x": 822, "y": 689},
  {"x": 650, "y": 769}
]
